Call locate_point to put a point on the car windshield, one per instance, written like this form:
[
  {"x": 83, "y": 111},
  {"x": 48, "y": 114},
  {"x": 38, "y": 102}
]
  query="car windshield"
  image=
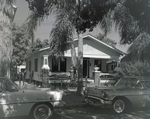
[
  {"x": 7, "y": 85},
  {"x": 129, "y": 82},
  {"x": 145, "y": 84}
]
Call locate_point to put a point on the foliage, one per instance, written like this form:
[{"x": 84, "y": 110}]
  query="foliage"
[
  {"x": 106, "y": 40},
  {"x": 45, "y": 43},
  {"x": 32, "y": 23},
  {"x": 132, "y": 18},
  {"x": 136, "y": 68},
  {"x": 5, "y": 38},
  {"x": 21, "y": 44},
  {"x": 140, "y": 45}
]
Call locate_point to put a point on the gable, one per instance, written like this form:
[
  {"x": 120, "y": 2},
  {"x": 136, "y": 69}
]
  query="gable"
[{"x": 95, "y": 48}]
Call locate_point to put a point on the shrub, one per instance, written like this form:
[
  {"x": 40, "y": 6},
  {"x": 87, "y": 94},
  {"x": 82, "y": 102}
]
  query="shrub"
[{"x": 137, "y": 68}]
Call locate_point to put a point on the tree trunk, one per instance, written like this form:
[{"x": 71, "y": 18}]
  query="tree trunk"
[
  {"x": 74, "y": 60},
  {"x": 73, "y": 55},
  {"x": 80, "y": 63}
]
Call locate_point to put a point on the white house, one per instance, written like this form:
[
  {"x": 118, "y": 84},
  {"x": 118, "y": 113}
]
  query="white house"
[{"x": 95, "y": 52}]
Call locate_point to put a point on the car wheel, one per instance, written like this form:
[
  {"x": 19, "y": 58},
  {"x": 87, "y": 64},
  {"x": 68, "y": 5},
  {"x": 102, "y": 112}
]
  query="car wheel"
[
  {"x": 119, "y": 106},
  {"x": 42, "y": 111}
]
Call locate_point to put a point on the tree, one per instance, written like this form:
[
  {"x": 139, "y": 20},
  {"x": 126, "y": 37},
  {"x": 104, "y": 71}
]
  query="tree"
[
  {"x": 45, "y": 43},
  {"x": 132, "y": 21},
  {"x": 106, "y": 40},
  {"x": 7, "y": 12},
  {"x": 80, "y": 15},
  {"x": 21, "y": 44},
  {"x": 140, "y": 45}
]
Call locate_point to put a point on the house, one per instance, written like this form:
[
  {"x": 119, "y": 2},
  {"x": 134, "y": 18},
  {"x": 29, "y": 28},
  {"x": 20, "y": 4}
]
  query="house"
[{"x": 95, "y": 52}]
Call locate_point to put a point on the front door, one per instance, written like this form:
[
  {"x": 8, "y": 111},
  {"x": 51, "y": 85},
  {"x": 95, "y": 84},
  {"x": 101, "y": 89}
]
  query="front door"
[{"x": 85, "y": 67}]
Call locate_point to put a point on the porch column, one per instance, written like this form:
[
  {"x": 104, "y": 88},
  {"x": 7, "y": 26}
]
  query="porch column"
[
  {"x": 45, "y": 71},
  {"x": 97, "y": 78}
]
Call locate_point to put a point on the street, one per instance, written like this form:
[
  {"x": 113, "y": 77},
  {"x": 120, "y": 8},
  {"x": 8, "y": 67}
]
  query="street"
[{"x": 91, "y": 112}]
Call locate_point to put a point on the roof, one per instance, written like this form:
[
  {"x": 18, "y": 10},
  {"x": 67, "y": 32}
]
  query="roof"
[
  {"x": 107, "y": 45},
  {"x": 90, "y": 37}
]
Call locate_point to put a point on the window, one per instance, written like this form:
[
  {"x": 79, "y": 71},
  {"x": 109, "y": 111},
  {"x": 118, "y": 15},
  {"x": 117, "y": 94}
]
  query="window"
[
  {"x": 29, "y": 65},
  {"x": 46, "y": 62},
  {"x": 36, "y": 64},
  {"x": 59, "y": 65},
  {"x": 63, "y": 65},
  {"x": 54, "y": 65}
]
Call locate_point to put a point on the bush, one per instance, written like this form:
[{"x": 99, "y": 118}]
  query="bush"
[{"x": 137, "y": 68}]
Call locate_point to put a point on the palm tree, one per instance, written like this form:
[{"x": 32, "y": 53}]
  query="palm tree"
[
  {"x": 7, "y": 12},
  {"x": 140, "y": 45},
  {"x": 132, "y": 21}
]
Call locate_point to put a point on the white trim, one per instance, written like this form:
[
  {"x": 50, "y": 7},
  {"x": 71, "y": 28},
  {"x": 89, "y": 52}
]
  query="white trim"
[
  {"x": 92, "y": 56},
  {"x": 44, "y": 48}
]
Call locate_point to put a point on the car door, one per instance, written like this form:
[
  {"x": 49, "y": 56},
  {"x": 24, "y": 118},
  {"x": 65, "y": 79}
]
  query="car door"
[
  {"x": 141, "y": 96},
  {"x": 7, "y": 99}
]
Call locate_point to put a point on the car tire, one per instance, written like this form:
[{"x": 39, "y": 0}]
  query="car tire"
[
  {"x": 42, "y": 111},
  {"x": 119, "y": 106}
]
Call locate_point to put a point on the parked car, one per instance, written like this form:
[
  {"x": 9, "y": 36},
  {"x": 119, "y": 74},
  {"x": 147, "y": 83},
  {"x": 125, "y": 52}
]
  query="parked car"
[
  {"x": 38, "y": 103},
  {"x": 126, "y": 92}
]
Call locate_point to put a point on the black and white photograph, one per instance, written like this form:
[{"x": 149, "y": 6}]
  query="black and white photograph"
[{"x": 74, "y": 59}]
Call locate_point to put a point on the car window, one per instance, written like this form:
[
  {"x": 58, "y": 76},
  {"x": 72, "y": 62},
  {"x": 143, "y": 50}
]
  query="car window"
[
  {"x": 146, "y": 84},
  {"x": 6, "y": 85},
  {"x": 129, "y": 82}
]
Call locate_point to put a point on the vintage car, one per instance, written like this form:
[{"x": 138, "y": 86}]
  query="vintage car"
[
  {"x": 126, "y": 92},
  {"x": 38, "y": 103}
]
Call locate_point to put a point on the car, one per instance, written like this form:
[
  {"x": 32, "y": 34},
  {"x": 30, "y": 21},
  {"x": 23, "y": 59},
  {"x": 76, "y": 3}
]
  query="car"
[
  {"x": 37, "y": 103},
  {"x": 127, "y": 92}
]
